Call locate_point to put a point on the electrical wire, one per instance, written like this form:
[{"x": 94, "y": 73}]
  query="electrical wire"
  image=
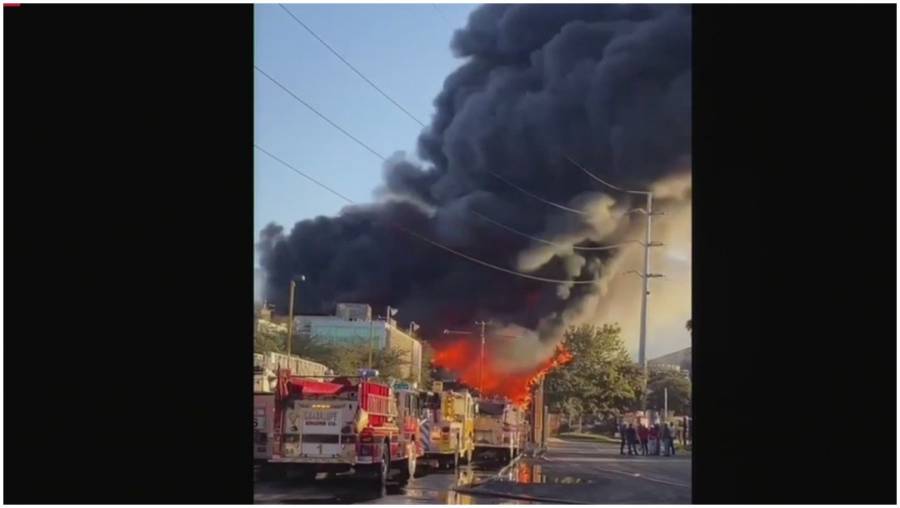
[
  {"x": 441, "y": 14},
  {"x": 301, "y": 173},
  {"x": 542, "y": 200},
  {"x": 424, "y": 239},
  {"x": 348, "y": 64},
  {"x": 595, "y": 177},
  {"x": 547, "y": 242},
  {"x": 370, "y": 149},
  {"x": 322, "y": 116}
]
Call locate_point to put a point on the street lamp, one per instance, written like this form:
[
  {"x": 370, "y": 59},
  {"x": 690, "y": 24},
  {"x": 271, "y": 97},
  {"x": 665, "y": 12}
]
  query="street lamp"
[{"x": 290, "y": 336}]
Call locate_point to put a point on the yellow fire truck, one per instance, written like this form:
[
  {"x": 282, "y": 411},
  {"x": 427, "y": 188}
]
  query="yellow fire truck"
[{"x": 450, "y": 424}]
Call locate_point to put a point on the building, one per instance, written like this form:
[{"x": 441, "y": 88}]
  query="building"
[
  {"x": 679, "y": 361},
  {"x": 352, "y": 324}
]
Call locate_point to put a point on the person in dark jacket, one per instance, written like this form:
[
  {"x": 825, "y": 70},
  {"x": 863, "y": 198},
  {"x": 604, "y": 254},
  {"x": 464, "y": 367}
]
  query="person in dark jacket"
[
  {"x": 643, "y": 435},
  {"x": 632, "y": 437},
  {"x": 622, "y": 431},
  {"x": 664, "y": 437},
  {"x": 654, "y": 439}
]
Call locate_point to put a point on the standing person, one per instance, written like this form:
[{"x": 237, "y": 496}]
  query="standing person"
[
  {"x": 632, "y": 437},
  {"x": 671, "y": 447},
  {"x": 643, "y": 434},
  {"x": 666, "y": 438},
  {"x": 622, "y": 431},
  {"x": 654, "y": 440}
]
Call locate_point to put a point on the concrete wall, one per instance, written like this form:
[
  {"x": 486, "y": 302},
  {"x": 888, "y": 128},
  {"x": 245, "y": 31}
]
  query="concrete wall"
[{"x": 411, "y": 349}]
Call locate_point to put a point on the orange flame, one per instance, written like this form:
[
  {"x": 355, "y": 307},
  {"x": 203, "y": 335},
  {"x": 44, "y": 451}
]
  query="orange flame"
[{"x": 462, "y": 357}]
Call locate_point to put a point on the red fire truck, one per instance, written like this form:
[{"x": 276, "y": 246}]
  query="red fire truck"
[{"x": 345, "y": 424}]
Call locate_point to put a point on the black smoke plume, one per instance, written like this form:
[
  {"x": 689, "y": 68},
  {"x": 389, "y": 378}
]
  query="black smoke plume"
[{"x": 607, "y": 85}]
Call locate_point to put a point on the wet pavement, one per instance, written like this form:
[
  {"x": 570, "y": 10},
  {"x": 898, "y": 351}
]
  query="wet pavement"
[
  {"x": 568, "y": 473},
  {"x": 593, "y": 473},
  {"x": 432, "y": 487}
]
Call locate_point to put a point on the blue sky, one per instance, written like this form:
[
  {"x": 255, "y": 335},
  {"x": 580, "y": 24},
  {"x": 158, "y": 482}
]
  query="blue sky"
[{"x": 404, "y": 49}]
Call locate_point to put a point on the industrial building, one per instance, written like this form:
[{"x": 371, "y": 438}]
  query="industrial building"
[{"x": 353, "y": 324}]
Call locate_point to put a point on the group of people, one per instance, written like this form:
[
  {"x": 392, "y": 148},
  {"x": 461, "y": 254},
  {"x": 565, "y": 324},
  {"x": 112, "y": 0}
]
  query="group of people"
[{"x": 653, "y": 440}]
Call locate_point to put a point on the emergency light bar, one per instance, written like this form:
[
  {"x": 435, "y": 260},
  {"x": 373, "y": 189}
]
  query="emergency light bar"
[{"x": 368, "y": 373}]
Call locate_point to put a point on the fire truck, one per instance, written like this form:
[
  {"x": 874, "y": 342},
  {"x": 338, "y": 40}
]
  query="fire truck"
[
  {"x": 264, "y": 382},
  {"x": 451, "y": 427},
  {"x": 263, "y": 414},
  {"x": 345, "y": 424},
  {"x": 499, "y": 429},
  {"x": 410, "y": 414}
]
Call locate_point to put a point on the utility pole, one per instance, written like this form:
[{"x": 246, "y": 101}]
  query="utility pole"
[
  {"x": 481, "y": 368},
  {"x": 290, "y": 337},
  {"x": 371, "y": 338},
  {"x": 642, "y": 350},
  {"x": 642, "y": 346},
  {"x": 645, "y": 289},
  {"x": 665, "y": 404},
  {"x": 291, "y": 317}
]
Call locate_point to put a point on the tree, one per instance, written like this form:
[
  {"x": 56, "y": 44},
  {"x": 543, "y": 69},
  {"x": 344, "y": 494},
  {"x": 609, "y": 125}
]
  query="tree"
[
  {"x": 348, "y": 359},
  {"x": 679, "y": 391},
  {"x": 427, "y": 357},
  {"x": 267, "y": 340},
  {"x": 601, "y": 378}
]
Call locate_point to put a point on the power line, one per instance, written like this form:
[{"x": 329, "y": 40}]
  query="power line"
[
  {"x": 301, "y": 173},
  {"x": 354, "y": 138},
  {"x": 348, "y": 64},
  {"x": 370, "y": 149},
  {"x": 323, "y": 117},
  {"x": 551, "y": 203},
  {"x": 547, "y": 242},
  {"x": 595, "y": 177},
  {"x": 441, "y": 14},
  {"x": 424, "y": 239},
  {"x": 495, "y": 267}
]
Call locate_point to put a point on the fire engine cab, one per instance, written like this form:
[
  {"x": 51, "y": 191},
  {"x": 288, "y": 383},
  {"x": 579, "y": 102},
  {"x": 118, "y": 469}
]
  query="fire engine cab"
[{"x": 345, "y": 424}]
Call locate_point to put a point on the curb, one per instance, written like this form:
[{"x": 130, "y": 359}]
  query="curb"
[{"x": 547, "y": 500}]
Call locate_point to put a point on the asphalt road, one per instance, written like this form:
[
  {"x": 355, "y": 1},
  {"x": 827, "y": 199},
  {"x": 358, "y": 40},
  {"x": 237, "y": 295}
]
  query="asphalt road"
[
  {"x": 569, "y": 472},
  {"x": 433, "y": 487},
  {"x": 593, "y": 473}
]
